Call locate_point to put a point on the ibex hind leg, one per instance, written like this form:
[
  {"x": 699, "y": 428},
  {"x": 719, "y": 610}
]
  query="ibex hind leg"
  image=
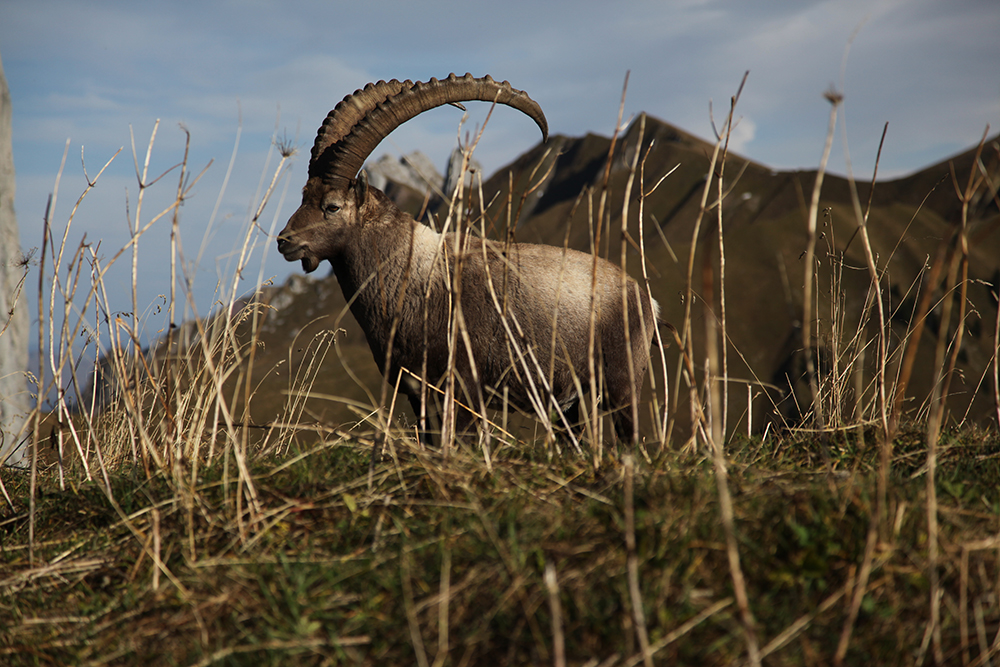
[
  {"x": 624, "y": 408},
  {"x": 623, "y": 398}
]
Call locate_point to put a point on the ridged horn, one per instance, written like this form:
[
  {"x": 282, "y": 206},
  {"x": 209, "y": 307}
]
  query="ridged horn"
[
  {"x": 344, "y": 157},
  {"x": 348, "y": 112}
]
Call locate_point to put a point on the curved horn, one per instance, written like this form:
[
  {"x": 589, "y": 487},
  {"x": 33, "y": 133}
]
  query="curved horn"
[
  {"x": 348, "y": 112},
  {"x": 344, "y": 157}
]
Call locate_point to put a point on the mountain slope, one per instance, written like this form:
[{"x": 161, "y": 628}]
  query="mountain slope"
[{"x": 557, "y": 190}]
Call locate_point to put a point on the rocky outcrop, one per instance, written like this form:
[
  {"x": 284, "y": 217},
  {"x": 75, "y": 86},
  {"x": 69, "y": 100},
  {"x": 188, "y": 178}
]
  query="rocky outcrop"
[
  {"x": 14, "y": 400},
  {"x": 455, "y": 171},
  {"x": 415, "y": 171}
]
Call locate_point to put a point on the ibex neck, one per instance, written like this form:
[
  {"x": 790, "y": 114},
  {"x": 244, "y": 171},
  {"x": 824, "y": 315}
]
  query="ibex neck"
[{"x": 391, "y": 254}]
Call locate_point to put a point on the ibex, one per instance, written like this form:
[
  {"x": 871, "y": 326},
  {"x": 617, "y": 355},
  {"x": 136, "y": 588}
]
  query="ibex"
[{"x": 523, "y": 312}]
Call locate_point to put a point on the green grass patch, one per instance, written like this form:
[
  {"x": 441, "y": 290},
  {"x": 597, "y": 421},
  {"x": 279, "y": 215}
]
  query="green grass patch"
[{"x": 441, "y": 561}]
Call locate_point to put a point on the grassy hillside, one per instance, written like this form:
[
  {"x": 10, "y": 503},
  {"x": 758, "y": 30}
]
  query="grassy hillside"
[{"x": 444, "y": 561}]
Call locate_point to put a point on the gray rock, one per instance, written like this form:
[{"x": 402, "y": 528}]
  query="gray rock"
[
  {"x": 414, "y": 170},
  {"x": 454, "y": 172}
]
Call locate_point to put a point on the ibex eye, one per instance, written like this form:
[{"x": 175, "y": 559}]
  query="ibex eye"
[{"x": 331, "y": 208}]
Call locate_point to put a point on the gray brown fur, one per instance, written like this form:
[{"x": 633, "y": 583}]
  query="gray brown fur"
[{"x": 397, "y": 274}]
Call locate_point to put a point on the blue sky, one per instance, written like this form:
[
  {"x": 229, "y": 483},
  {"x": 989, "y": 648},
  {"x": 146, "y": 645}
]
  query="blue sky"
[{"x": 88, "y": 71}]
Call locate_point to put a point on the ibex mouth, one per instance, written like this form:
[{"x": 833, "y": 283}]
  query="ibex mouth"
[
  {"x": 297, "y": 251},
  {"x": 287, "y": 247}
]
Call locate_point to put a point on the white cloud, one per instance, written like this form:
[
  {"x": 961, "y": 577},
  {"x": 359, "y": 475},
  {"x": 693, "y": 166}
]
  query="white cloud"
[{"x": 743, "y": 133}]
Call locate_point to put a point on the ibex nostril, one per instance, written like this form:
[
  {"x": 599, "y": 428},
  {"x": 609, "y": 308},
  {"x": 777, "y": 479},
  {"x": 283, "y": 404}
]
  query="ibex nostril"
[{"x": 527, "y": 309}]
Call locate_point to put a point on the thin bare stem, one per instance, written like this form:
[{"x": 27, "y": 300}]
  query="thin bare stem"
[
  {"x": 555, "y": 609},
  {"x": 592, "y": 348},
  {"x": 835, "y": 100}
]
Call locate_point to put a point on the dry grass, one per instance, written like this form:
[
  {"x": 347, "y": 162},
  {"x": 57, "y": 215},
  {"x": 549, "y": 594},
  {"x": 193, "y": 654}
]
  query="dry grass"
[
  {"x": 443, "y": 556},
  {"x": 158, "y": 524}
]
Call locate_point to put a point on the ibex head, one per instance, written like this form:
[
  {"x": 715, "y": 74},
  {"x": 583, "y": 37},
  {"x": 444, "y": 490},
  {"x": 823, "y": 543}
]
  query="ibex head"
[{"x": 335, "y": 196}]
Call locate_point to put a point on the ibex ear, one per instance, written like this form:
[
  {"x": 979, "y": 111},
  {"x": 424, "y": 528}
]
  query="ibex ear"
[{"x": 361, "y": 188}]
